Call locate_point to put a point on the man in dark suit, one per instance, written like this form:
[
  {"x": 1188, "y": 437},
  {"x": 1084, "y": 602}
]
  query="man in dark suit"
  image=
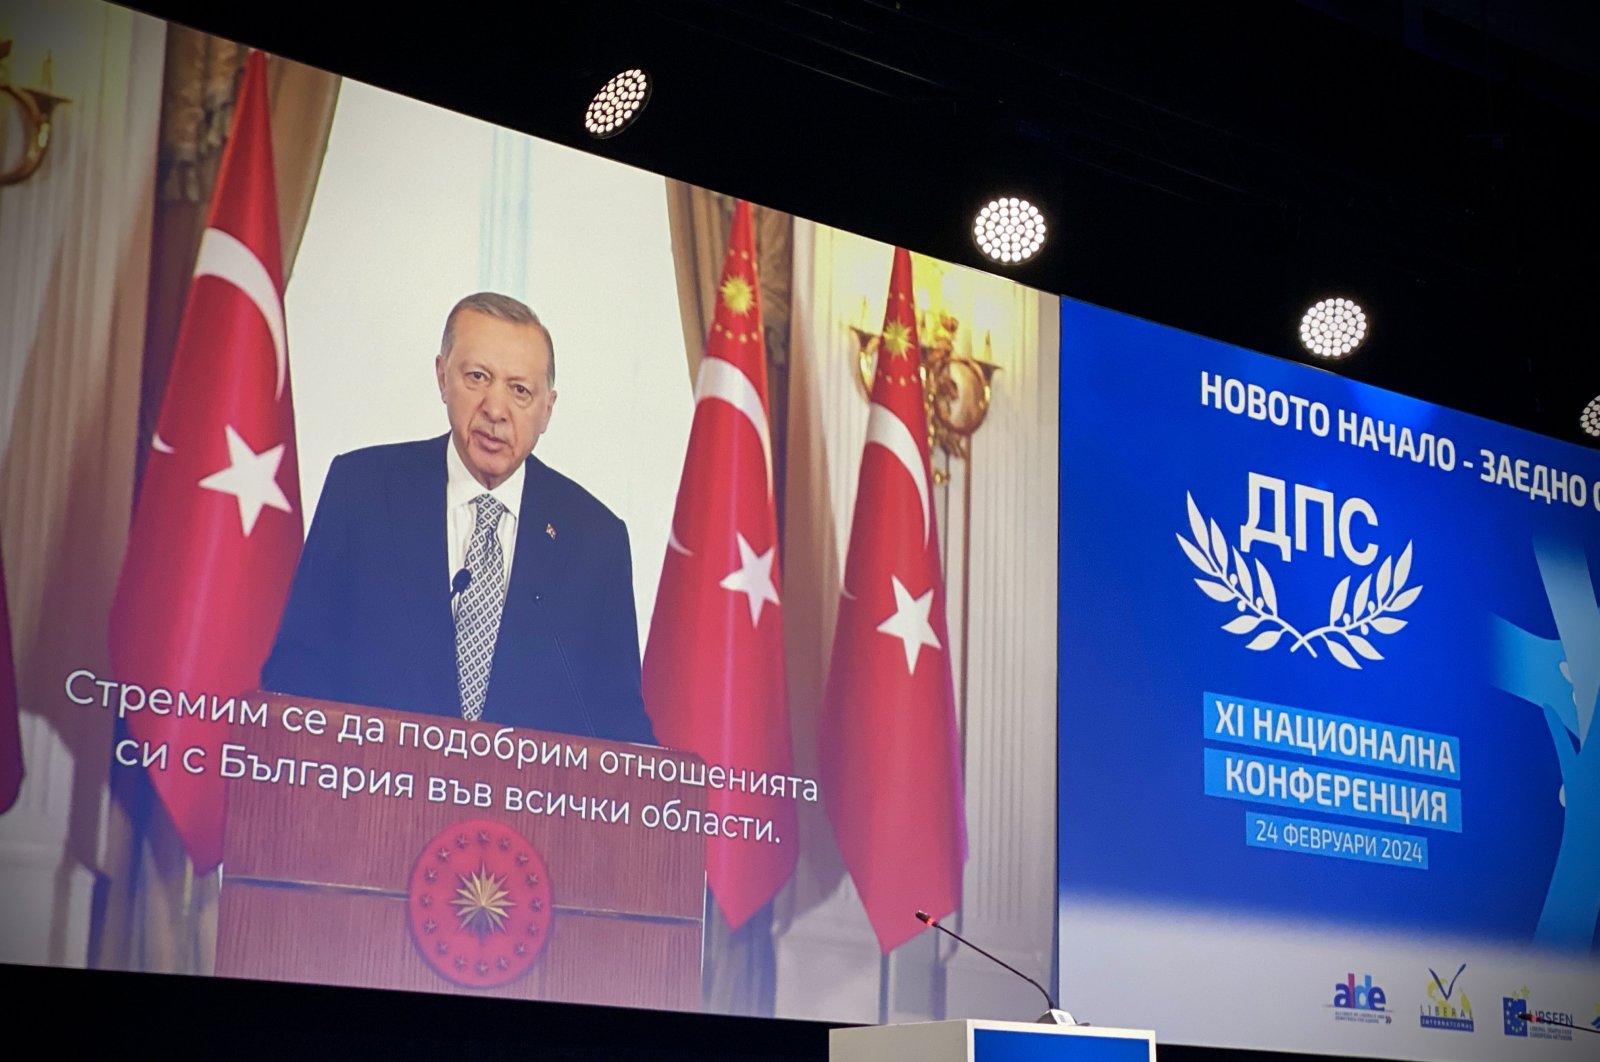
[{"x": 460, "y": 575}]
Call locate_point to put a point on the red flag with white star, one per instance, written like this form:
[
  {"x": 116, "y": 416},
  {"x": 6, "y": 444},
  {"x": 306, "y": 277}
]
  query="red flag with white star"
[
  {"x": 713, "y": 663},
  {"x": 217, "y": 524},
  {"x": 889, "y": 753}
]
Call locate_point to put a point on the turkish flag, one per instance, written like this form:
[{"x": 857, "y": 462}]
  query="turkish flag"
[
  {"x": 713, "y": 663},
  {"x": 889, "y": 753},
  {"x": 217, "y": 524},
  {"x": 10, "y": 733}
]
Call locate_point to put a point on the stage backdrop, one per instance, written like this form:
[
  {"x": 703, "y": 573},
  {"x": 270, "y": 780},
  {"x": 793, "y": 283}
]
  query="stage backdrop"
[{"x": 1329, "y": 666}]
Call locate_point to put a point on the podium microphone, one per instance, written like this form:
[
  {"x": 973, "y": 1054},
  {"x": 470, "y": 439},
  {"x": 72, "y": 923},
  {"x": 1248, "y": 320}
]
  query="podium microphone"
[
  {"x": 1053, "y": 1016},
  {"x": 458, "y": 586},
  {"x": 1526, "y": 1016}
]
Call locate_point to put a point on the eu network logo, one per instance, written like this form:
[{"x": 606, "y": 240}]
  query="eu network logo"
[
  {"x": 1513, "y": 1006},
  {"x": 1362, "y": 1002},
  {"x": 1515, "y": 1025},
  {"x": 1448, "y": 1006}
]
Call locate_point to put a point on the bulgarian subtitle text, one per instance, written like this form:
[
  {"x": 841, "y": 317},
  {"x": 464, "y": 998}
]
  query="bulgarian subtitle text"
[{"x": 347, "y": 731}]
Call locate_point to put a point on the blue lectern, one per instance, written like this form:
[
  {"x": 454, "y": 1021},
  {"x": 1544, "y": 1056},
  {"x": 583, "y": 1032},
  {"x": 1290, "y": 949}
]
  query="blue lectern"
[{"x": 990, "y": 1041}]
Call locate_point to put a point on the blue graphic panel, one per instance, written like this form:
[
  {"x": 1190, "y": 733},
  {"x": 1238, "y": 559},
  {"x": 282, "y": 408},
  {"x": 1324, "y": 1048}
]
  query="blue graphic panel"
[
  {"x": 1005, "y": 1045},
  {"x": 1398, "y": 604}
]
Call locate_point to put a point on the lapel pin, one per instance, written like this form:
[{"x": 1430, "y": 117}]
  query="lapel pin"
[{"x": 550, "y": 529}]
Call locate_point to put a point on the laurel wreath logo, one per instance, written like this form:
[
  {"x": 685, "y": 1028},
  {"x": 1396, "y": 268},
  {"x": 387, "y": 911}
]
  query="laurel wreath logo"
[{"x": 1346, "y": 634}]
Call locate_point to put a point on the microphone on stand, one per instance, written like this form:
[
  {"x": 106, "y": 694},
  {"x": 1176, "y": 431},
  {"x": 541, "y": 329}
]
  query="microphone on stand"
[
  {"x": 458, "y": 586},
  {"x": 1052, "y": 1016}
]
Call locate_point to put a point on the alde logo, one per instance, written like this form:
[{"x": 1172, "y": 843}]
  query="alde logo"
[
  {"x": 1365, "y": 996},
  {"x": 1448, "y": 1006},
  {"x": 1360, "y": 1001}
]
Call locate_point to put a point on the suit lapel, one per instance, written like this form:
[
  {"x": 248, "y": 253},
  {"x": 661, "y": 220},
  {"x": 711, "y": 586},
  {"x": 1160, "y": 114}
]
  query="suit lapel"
[
  {"x": 416, "y": 511},
  {"x": 537, "y": 569}
]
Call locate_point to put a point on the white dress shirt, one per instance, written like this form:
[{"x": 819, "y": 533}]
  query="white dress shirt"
[{"x": 460, "y": 511}]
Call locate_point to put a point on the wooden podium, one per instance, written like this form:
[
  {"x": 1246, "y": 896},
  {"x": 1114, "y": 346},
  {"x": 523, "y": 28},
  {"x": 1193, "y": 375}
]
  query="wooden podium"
[{"x": 314, "y": 884}]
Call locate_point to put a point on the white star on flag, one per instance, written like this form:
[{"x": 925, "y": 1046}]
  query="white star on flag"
[
  {"x": 909, "y": 623},
  {"x": 753, "y": 578},
  {"x": 251, "y": 478}
]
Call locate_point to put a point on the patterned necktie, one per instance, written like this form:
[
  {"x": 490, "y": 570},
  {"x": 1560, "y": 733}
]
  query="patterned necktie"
[{"x": 478, "y": 619}]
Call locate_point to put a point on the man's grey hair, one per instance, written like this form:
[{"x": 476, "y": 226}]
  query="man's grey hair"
[{"x": 501, "y": 307}]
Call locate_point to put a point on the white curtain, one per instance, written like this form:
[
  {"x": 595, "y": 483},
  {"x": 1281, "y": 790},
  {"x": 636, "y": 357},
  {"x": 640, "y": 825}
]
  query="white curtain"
[{"x": 74, "y": 269}]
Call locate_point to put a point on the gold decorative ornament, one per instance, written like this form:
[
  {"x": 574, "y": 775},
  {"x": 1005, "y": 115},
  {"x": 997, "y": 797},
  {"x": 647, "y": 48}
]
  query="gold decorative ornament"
[
  {"x": 956, "y": 388},
  {"x": 34, "y": 108}
]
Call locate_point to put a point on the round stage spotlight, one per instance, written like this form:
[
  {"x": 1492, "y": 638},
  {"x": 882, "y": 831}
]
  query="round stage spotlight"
[
  {"x": 1333, "y": 328},
  {"x": 617, "y": 104},
  {"x": 1009, "y": 230},
  {"x": 1589, "y": 419}
]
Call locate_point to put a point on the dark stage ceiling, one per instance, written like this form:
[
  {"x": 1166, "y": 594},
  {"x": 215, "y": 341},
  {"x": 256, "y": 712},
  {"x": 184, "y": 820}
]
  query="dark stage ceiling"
[{"x": 1212, "y": 166}]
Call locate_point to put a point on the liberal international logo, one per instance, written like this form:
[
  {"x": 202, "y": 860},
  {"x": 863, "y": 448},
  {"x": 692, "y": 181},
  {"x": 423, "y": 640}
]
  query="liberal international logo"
[
  {"x": 1448, "y": 1006},
  {"x": 1360, "y": 1001}
]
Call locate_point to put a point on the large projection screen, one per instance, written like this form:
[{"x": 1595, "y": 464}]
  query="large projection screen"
[
  {"x": 1329, "y": 665},
  {"x": 656, "y": 327}
]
